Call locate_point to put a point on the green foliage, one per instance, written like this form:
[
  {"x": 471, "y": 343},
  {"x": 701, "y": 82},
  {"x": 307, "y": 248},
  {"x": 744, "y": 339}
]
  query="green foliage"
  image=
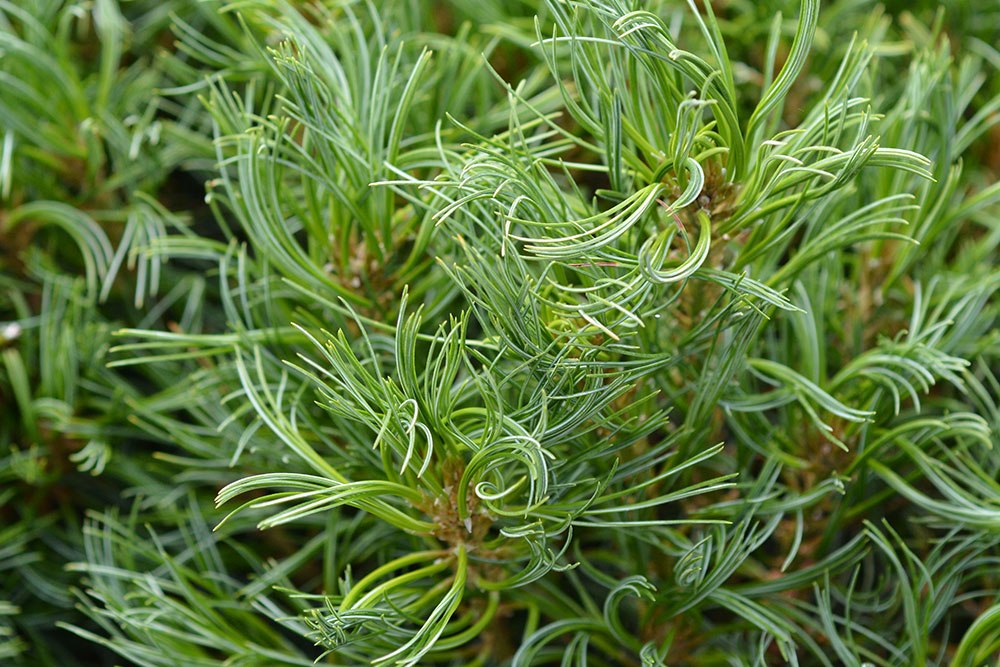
[{"x": 499, "y": 333}]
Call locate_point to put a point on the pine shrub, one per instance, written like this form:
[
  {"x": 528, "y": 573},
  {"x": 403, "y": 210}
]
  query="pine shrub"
[{"x": 534, "y": 332}]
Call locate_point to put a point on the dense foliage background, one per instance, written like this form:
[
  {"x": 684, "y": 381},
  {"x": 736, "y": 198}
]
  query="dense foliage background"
[{"x": 497, "y": 332}]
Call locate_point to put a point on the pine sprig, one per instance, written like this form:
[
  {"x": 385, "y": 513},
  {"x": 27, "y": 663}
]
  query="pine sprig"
[{"x": 498, "y": 333}]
